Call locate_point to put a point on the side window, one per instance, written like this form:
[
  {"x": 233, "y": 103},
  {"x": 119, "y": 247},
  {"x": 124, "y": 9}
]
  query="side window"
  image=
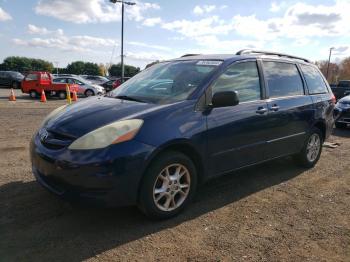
[
  {"x": 314, "y": 80},
  {"x": 31, "y": 77},
  {"x": 283, "y": 79},
  {"x": 242, "y": 78},
  {"x": 59, "y": 80},
  {"x": 70, "y": 81}
]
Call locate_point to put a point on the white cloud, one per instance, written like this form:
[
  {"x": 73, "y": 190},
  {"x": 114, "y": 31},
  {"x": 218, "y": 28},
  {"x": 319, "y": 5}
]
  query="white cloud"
[
  {"x": 206, "y": 26},
  {"x": 300, "y": 23},
  {"x": 206, "y": 9},
  {"x": 4, "y": 16},
  {"x": 56, "y": 39},
  {"x": 91, "y": 11},
  {"x": 152, "y": 21},
  {"x": 35, "y": 30},
  {"x": 276, "y": 7},
  {"x": 142, "y": 44}
]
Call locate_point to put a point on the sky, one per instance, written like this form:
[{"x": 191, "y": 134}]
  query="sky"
[{"x": 63, "y": 31}]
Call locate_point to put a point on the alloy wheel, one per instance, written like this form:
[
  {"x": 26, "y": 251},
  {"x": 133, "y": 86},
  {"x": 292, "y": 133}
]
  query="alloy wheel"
[
  {"x": 313, "y": 147},
  {"x": 171, "y": 187}
]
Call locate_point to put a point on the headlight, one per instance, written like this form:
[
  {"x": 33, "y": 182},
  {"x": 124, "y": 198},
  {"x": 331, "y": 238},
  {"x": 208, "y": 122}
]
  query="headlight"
[
  {"x": 343, "y": 105},
  {"x": 53, "y": 113},
  {"x": 114, "y": 133}
]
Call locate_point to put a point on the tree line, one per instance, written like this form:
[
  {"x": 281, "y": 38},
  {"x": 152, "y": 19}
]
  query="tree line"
[
  {"x": 25, "y": 65},
  {"x": 336, "y": 71}
]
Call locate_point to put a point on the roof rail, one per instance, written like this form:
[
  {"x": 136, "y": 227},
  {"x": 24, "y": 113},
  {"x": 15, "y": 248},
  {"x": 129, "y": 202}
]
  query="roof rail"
[
  {"x": 189, "y": 55},
  {"x": 250, "y": 51}
]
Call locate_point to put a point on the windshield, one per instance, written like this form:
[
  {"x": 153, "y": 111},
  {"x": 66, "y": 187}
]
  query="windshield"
[{"x": 166, "y": 82}]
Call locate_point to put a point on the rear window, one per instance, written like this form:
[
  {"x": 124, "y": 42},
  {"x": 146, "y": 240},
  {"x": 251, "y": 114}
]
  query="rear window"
[
  {"x": 344, "y": 84},
  {"x": 283, "y": 79},
  {"x": 31, "y": 77},
  {"x": 314, "y": 80},
  {"x": 45, "y": 76}
]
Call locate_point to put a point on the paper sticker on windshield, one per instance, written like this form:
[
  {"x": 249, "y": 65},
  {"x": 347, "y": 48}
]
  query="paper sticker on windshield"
[{"x": 209, "y": 62}]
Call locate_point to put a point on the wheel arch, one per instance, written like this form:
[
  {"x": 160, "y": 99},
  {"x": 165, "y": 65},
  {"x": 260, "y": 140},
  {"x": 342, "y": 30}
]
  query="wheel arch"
[
  {"x": 182, "y": 146},
  {"x": 321, "y": 125}
]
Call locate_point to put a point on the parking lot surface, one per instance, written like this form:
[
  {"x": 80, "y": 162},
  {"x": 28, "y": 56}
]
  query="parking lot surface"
[{"x": 272, "y": 212}]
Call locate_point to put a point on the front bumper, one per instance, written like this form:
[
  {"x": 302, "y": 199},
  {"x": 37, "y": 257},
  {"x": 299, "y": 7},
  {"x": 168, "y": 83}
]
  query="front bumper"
[{"x": 106, "y": 177}]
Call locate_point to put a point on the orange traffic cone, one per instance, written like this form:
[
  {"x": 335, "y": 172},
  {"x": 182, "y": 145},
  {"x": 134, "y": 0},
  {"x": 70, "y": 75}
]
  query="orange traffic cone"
[
  {"x": 74, "y": 98},
  {"x": 12, "y": 96},
  {"x": 43, "y": 97}
]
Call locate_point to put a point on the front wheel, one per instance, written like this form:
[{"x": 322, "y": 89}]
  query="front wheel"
[
  {"x": 89, "y": 92},
  {"x": 312, "y": 149},
  {"x": 33, "y": 94},
  {"x": 168, "y": 185}
]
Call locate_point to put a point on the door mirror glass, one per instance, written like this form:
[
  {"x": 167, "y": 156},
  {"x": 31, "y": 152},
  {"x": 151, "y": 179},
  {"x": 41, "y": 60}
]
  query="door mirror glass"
[{"x": 225, "y": 98}]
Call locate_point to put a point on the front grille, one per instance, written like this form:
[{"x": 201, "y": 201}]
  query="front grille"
[{"x": 54, "y": 140}]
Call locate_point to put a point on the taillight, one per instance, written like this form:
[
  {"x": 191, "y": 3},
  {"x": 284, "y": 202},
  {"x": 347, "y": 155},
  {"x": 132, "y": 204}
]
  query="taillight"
[{"x": 333, "y": 99}]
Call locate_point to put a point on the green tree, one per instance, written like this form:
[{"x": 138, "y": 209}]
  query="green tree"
[
  {"x": 83, "y": 68},
  {"x": 24, "y": 64},
  {"x": 129, "y": 70},
  {"x": 76, "y": 68}
]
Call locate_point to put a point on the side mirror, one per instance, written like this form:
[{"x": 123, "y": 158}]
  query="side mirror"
[{"x": 225, "y": 98}]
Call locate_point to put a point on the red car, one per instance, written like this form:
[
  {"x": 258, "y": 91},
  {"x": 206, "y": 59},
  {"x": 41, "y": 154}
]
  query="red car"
[{"x": 35, "y": 82}]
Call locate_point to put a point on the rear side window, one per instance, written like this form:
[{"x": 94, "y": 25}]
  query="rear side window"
[
  {"x": 314, "y": 80},
  {"x": 283, "y": 79},
  {"x": 31, "y": 77},
  {"x": 59, "y": 80},
  {"x": 242, "y": 78}
]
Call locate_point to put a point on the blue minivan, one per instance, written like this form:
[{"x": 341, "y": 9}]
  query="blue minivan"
[{"x": 152, "y": 140}]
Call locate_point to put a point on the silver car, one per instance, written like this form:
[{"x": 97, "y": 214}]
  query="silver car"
[{"x": 86, "y": 88}]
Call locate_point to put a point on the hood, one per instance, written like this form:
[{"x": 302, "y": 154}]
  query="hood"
[
  {"x": 345, "y": 100},
  {"x": 91, "y": 113}
]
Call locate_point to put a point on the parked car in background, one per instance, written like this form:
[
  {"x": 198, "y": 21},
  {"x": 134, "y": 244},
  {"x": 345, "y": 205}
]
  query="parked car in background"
[
  {"x": 112, "y": 84},
  {"x": 181, "y": 122},
  {"x": 35, "y": 82},
  {"x": 11, "y": 79},
  {"x": 342, "y": 89},
  {"x": 342, "y": 112},
  {"x": 63, "y": 75},
  {"x": 95, "y": 79},
  {"x": 85, "y": 87}
]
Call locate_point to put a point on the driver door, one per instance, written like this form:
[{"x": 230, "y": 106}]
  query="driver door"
[{"x": 237, "y": 135}]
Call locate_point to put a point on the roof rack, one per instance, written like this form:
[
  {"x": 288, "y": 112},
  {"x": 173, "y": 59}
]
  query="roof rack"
[
  {"x": 250, "y": 51},
  {"x": 189, "y": 55}
]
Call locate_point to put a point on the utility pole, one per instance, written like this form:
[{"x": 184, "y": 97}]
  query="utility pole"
[
  {"x": 122, "y": 38},
  {"x": 329, "y": 60}
]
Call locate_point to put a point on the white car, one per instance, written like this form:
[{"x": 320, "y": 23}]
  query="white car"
[{"x": 86, "y": 88}]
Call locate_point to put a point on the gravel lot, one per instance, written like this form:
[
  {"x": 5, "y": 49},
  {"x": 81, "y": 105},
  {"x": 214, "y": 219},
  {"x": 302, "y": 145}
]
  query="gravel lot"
[{"x": 272, "y": 212}]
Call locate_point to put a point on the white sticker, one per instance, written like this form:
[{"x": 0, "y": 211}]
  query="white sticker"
[{"x": 209, "y": 62}]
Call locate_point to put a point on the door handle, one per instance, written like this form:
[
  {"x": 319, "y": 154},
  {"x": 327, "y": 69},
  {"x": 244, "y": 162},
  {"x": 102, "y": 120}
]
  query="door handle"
[
  {"x": 274, "y": 108},
  {"x": 261, "y": 110}
]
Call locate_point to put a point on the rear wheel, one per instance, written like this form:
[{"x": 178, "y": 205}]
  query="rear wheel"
[
  {"x": 340, "y": 125},
  {"x": 33, "y": 94},
  {"x": 312, "y": 149},
  {"x": 168, "y": 185},
  {"x": 62, "y": 95}
]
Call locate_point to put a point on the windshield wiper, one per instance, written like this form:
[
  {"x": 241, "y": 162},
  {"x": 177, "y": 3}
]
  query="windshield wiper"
[{"x": 130, "y": 98}]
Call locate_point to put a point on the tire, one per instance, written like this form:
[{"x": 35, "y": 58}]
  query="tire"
[
  {"x": 33, "y": 94},
  {"x": 340, "y": 125},
  {"x": 172, "y": 197},
  {"x": 62, "y": 95},
  {"x": 312, "y": 149},
  {"x": 89, "y": 92}
]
